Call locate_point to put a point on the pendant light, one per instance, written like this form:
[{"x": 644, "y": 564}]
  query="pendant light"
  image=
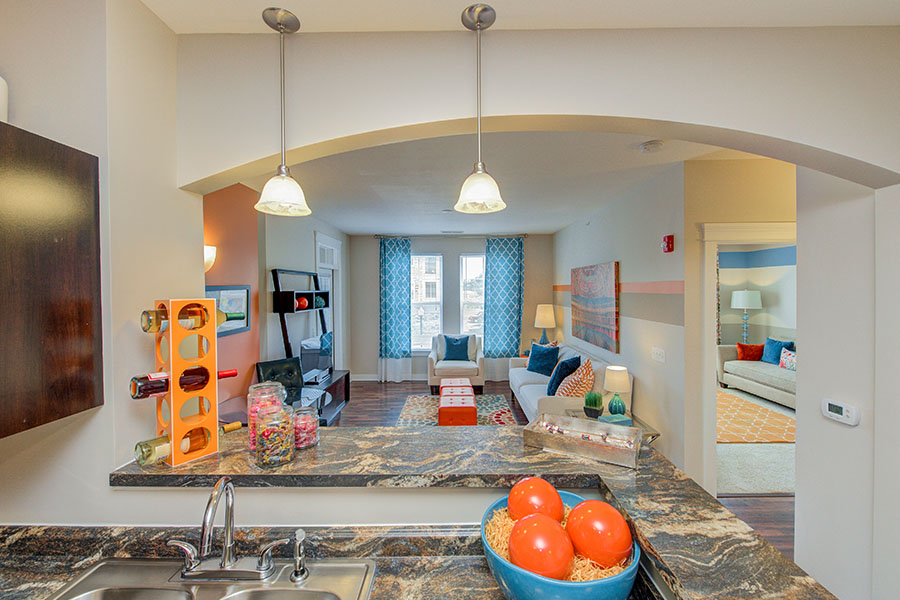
[
  {"x": 282, "y": 195},
  {"x": 480, "y": 193}
]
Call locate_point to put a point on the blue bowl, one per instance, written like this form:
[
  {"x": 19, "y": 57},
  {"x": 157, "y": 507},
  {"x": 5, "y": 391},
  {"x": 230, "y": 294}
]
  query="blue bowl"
[{"x": 519, "y": 584}]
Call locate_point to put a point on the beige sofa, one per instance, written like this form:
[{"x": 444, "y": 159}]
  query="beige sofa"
[
  {"x": 760, "y": 378},
  {"x": 530, "y": 388},
  {"x": 438, "y": 368}
]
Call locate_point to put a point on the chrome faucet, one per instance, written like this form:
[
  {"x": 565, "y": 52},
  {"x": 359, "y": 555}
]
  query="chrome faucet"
[
  {"x": 201, "y": 565},
  {"x": 225, "y": 486}
]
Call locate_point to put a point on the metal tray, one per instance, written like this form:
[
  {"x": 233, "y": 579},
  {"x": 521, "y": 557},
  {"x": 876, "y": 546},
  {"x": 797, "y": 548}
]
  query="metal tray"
[{"x": 614, "y": 444}]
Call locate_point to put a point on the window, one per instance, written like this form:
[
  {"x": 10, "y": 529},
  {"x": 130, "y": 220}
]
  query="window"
[
  {"x": 426, "y": 299},
  {"x": 471, "y": 293}
]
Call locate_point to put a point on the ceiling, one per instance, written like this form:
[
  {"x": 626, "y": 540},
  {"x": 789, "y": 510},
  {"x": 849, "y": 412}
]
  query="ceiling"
[
  {"x": 548, "y": 180},
  {"x": 243, "y": 16}
]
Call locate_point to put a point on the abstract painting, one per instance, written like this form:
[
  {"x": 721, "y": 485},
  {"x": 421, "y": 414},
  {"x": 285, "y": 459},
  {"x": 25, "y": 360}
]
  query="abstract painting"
[{"x": 595, "y": 305}]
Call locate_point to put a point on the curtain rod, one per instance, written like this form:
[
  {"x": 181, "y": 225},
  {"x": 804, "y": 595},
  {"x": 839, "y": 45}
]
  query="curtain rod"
[{"x": 456, "y": 235}]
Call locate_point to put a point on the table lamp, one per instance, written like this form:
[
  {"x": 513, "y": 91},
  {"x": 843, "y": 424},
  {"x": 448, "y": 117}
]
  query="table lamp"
[
  {"x": 746, "y": 300},
  {"x": 616, "y": 380},
  {"x": 543, "y": 318}
]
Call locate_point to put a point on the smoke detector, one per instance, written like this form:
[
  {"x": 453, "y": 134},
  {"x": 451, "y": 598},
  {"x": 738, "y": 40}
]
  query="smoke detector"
[{"x": 651, "y": 146}]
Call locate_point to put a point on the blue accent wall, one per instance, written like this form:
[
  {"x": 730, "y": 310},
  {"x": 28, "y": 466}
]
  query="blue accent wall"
[{"x": 770, "y": 257}]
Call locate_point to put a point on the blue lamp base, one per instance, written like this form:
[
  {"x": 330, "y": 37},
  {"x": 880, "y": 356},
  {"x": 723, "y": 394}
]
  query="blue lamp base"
[
  {"x": 745, "y": 327},
  {"x": 544, "y": 340}
]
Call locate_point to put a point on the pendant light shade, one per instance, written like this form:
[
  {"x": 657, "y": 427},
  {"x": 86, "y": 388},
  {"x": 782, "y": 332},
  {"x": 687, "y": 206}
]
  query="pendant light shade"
[
  {"x": 282, "y": 195},
  {"x": 480, "y": 193}
]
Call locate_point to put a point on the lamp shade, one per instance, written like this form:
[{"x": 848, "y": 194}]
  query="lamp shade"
[
  {"x": 479, "y": 194},
  {"x": 209, "y": 257},
  {"x": 283, "y": 196},
  {"x": 746, "y": 299},
  {"x": 616, "y": 380},
  {"x": 543, "y": 317}
]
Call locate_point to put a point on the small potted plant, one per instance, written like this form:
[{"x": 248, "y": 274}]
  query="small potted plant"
[{"x": 593, "y": 405}]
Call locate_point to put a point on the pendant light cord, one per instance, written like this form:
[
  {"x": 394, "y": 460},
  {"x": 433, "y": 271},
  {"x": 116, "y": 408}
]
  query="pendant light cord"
[
  {"x": 478, "y": 85},
  {"x": 281, "y": 36}
]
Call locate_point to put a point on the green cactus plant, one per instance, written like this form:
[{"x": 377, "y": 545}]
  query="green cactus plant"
[{"x": 593, "y": 405}]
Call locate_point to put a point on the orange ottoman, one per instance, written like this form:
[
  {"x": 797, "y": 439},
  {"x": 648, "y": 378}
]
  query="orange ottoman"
[
  {"x": 457, "y": 410},
  {"x": 455, "y": 382}
]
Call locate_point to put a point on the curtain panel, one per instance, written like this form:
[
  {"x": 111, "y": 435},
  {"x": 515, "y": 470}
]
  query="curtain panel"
[
  {"x": 395, "y": 322},
  {"x": 504, "y": 267}
]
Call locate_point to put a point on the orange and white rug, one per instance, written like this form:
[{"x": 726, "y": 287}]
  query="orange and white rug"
[{"x": 740, "y": 421}]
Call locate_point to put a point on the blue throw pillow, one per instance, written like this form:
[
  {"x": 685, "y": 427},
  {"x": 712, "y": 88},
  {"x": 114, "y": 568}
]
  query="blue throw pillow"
[
  {"x": 772, "y": 350},
  {"x": 457, "y": 347},
  {"x": 542, "y": 359},
  {"x": 563, "y": 369}
]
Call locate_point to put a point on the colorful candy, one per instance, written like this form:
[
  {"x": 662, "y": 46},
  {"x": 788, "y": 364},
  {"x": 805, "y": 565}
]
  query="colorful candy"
[
  {"x": 267, "y": 393},
  {"x": 306, "y": 427},
  {"x": 274, "y": 436}
]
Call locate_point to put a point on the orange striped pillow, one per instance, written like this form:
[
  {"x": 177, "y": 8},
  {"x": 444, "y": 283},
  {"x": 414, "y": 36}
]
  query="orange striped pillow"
[
  {"x": 550, "y": 345},
  {"x": 579, "y": 383}
]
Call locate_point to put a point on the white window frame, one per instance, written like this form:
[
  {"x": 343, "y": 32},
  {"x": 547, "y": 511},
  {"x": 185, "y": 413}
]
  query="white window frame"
[
  {"x": 439, "y": 301},
  {"x": 462, "y": 258}
]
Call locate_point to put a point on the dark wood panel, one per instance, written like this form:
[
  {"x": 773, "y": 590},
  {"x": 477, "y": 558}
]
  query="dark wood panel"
[
  {"x": 379, "y": 404},
  {"x": 771, "y": 516},
  {"x": 49, "y": 281}
]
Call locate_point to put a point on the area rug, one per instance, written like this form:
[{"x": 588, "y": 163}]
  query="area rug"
[
  {"x": 422, "y": 409},
  {"x": 740, "y": 421}
]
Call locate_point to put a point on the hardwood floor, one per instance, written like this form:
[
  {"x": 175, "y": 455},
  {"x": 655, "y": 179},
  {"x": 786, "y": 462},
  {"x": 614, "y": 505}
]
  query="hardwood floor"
[
  {"x": 379, "y": 404},
  {"x": 771, "y": 516}
]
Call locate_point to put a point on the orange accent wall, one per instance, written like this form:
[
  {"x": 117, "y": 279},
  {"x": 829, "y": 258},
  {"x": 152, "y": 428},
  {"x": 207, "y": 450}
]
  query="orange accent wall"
[{"x": 229, "y": 224}]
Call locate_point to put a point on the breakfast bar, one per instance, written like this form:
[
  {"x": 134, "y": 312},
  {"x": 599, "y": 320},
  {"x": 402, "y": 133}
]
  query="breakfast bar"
[{"x": 693, "y": 547}]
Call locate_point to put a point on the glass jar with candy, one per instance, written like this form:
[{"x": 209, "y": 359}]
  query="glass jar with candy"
[
  {"x": 274, "y": 435},
  {"x": 306, "y": 427},
  {"x": 267, "y": 393}
]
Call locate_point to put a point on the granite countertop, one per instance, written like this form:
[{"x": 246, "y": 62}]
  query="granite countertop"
[
  {"x": 405, "y": 457},
  {"x": 413, "y": 563}
]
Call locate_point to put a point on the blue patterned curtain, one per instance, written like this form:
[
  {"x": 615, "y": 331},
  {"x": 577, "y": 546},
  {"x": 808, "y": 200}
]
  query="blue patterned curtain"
[
  {"x": 504, "y": 266},
  {"x": 394, "y": 315}
]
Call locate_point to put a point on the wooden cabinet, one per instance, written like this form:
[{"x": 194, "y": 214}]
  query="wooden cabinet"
[{"x": 52, "y": 364}]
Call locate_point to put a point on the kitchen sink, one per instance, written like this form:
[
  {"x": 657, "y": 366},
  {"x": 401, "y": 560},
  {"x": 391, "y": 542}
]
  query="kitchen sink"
[{"x": 147, "y": 579}]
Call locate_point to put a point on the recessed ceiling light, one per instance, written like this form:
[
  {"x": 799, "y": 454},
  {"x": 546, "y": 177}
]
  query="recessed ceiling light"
[
  {"x": 651, "y": 146},
  {"x": 447, "y": 210}
]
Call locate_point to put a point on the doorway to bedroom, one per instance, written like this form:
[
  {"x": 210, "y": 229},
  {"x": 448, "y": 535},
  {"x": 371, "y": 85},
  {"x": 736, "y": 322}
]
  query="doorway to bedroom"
[{"x": 756, "y": 323}]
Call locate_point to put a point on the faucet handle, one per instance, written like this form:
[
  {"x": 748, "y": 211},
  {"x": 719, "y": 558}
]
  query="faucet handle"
[
  {"x": 265, "y": 555},
  {"x": 191, "y": 561}
]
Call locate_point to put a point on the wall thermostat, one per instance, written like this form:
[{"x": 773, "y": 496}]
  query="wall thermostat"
[{"x": 840, "y": 412}]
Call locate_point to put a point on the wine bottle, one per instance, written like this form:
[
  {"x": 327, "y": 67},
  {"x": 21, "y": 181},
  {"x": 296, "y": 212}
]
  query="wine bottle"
[
  {"x": 157, "y": 384},
  {"x": 153, "y": 321},
  {"x": 149, "y": 452}
]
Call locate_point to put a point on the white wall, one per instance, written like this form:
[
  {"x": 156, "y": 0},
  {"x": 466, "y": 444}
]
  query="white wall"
[
  {"x": 886, "y": 467},
  {"x": 778, "y": 290},
  {"x": 290, "y": 243},
  {"x": 835, "y": 321},
  {"x": 364, "y": 261},
  {"x": 791, "y": 84},
  {"x": 628, "y": 229}
]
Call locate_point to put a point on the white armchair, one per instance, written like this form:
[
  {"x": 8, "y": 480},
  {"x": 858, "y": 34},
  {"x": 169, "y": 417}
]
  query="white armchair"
[{"x": 438, "y": 367}]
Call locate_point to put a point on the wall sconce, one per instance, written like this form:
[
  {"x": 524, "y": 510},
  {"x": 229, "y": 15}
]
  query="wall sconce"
[{"x": 209, "y": 257}]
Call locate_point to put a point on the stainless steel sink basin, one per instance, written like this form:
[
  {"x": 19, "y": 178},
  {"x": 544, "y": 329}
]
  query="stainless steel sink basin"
[
  {"x": 139, "y": 579},
  {"x": 135, "y": 594}
]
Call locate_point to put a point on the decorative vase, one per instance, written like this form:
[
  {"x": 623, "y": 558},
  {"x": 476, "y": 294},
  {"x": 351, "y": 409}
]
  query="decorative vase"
[{"x": 616, "y": 405}]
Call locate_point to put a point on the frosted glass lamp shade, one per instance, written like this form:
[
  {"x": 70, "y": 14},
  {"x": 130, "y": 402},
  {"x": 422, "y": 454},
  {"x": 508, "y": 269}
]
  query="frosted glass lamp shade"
[
  {"x": 544, "y": 318},
  {"x": 479, "y": 194},
  {"x": 283, "y": 196},
  {"x": 746, "y": 299},
  {"x": 616, "y": 380},
  {"x": 209, "y": 257}
]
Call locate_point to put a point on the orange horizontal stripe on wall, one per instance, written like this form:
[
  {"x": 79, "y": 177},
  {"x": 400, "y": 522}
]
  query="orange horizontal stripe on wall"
[
  {"x": 652, "y": 287},
  {"x": 640, "y": 287}
]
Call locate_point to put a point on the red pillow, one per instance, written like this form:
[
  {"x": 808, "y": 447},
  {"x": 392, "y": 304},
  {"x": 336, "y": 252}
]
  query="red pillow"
[{"x": 750, "y": 351}]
